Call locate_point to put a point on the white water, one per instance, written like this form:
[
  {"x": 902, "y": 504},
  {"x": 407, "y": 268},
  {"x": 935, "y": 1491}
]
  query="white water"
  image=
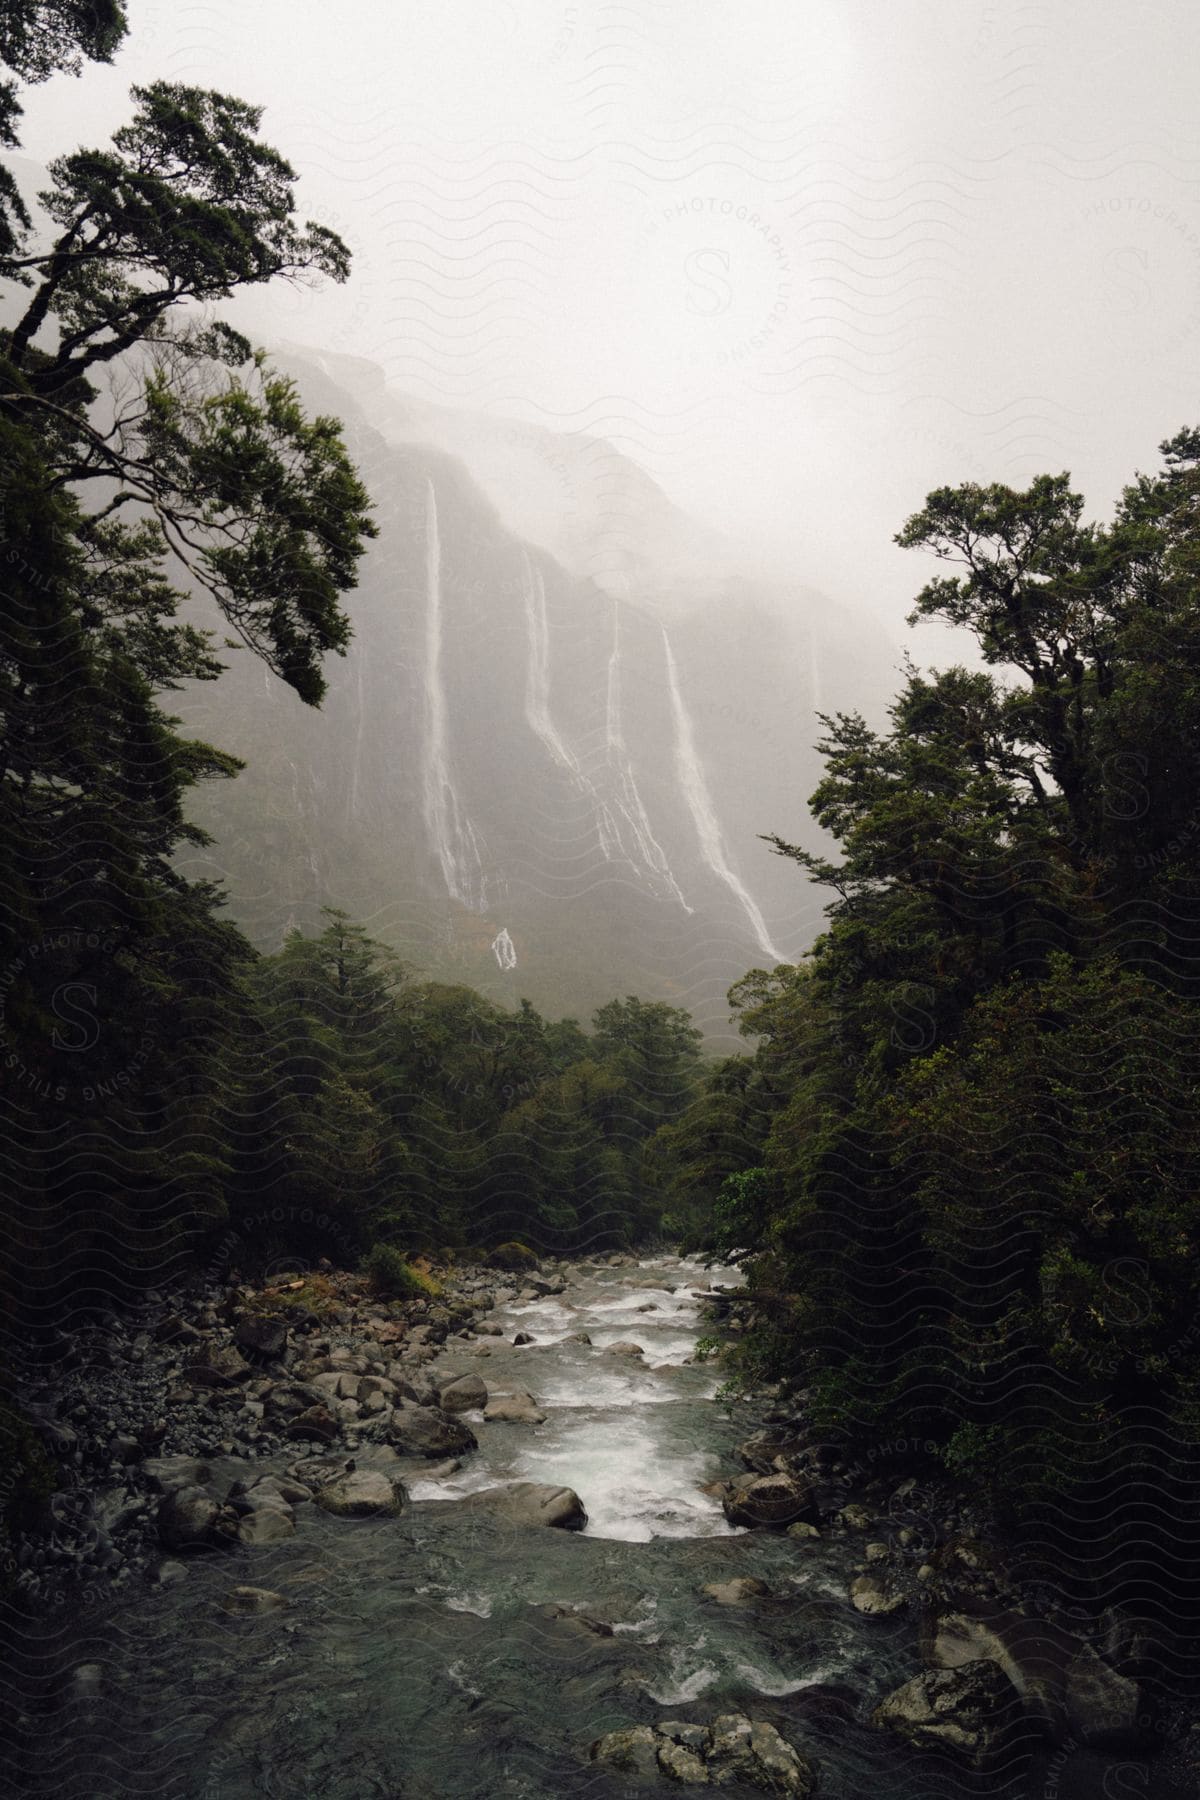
[
  {"x": 620, "y": 1430},
  {"x": 504, "y": 950},
  {"x": 454, "y": 839},
  {"x": 695, "y": 787},
  {"x": 627, "y": 800}
]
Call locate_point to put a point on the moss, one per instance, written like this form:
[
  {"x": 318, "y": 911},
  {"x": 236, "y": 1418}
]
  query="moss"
[
  {"x": 513, "y": 1256},
  {"x": 392, "y": 1274}
]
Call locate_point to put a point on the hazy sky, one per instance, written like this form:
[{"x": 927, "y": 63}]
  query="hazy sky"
[{"x": 804, "y": 259}]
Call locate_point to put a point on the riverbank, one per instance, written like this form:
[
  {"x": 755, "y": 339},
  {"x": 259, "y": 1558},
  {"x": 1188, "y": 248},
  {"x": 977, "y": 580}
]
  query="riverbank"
[{"x": 296, "y": 1519}]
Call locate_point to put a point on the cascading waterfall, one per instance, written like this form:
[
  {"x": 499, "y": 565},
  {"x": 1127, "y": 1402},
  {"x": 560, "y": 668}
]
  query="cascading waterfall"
[
  {"x": 627, "y": 801},
  {"x": 695, "y": 788},
  {"x": 622, "y": 827},
  {"x": 454, "y": 840}
]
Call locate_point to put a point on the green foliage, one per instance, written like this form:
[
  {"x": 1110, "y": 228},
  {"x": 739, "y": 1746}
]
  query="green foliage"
[
  {"x": 972, "y": 1186},
  {"x": 394, "y": 1276}
]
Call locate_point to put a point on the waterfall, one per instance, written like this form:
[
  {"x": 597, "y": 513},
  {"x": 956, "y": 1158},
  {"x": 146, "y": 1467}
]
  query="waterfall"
[
  {"x": 453, "y": 835},
  {"x": 626, "y": 801},
  {"x": 504, "y": 950},
  {"x": 537, "y": 681},
  {"x": 699, "y": 800}
]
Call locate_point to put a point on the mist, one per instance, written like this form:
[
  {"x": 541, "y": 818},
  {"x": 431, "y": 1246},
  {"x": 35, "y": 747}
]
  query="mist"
[{"x": 801, "y": 264}]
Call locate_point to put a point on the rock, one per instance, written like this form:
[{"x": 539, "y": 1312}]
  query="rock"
[
  {"x": 802, "y": 1529},
  {"x": 176, "y": 1330},
  {"x": 218, "y": 1368},
  {"x": 624, "y": 1349},
  {"x": 969, "y": 1711},
  {"x": 188, "y": 1518},
  {"x": 532, "y": 1503},
  {"x": 732, "y": 1593},
  {"x": 290, "y": 1491},
  {"x": 463, "y": 1394},
  {"x": 693, "y": 1737},
  {"x": 267, "y": 1524},
  {"x": 261, "y": 1335},
  {"x": 316, "y": 1424},
  {"x": 514, "y": 1409},
  {"x": 761, "y": 1452},
  {"x": 634, "y": 1750},
  {"x": 362, "y": 1494},
  {"x": 780, "y": 1769},
  {"x": 579, "y": 1337},
  {"x": 877, "y": 1552},
  {"x": 166, "y": 1572},
  {"x": 681, "y": 1764},
  {"x": 855, "y": 1518},
  {"x": 427, "y": 1431},
  {"x": 1103, "y": 1708},
  {"x": 522, "y": 1337},
  {"x": 166, "y": 1473},
  {"x": 870, "y": 1596},
  {"x": 246, "y": 1601},
  {"x": 774, "y": 1500}
]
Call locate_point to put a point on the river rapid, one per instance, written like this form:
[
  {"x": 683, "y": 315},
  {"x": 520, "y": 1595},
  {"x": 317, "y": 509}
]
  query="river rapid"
[{"x": 449, "y": 1653}]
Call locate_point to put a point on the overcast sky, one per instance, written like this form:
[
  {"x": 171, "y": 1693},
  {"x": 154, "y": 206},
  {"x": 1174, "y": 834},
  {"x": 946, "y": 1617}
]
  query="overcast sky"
[{"x": 804, "y": 259}]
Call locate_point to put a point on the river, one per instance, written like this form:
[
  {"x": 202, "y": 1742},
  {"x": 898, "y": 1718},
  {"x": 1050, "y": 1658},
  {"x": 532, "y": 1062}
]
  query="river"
[{"x": 446, "y": 1653}]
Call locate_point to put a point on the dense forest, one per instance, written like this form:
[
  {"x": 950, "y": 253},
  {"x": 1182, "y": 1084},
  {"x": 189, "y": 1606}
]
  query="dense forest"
[
  {"x": 959, "y": 1157},
  {"x": 964, "y": 1151}
]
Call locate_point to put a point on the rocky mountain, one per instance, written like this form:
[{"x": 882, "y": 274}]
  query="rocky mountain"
[{"x": 565, "y": 718}]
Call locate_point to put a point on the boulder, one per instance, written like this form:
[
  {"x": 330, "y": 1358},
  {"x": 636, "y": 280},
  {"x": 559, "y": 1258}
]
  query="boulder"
[
  {"x": 532, "y": 1503},
  {"x": 362, "y": 1494},
  {"x": 522, "y": 1337},
  {"x": 316, "y": 1425},
  {"x": 189, "y": 1518},
  {"x": 1103, "y": 1708},
  {"x": 732, "y": 1593},
  {"x": 969, "y": 1711},
  {"x": 681, "y": 1764},
  {"x": 869, "y": 1595},
  {"x": 247, "y": 1601},
  {"x": 261, "y": 1335},
  {"x": 775, "y": 1500},
  {"x": 463, "y": 1394},
  {"x": 579, "y": 1337},
  {"x": 265, "y": 1525},
  {"x": 624, "y": 1349},
  {"x": 514, "y": 1409},
  {"x": 218, "y": 1368},
  {"x": 166, "y": 1473},
  {"x": 634, "y": 1750},
  {"x": 427, "y": 1431}
]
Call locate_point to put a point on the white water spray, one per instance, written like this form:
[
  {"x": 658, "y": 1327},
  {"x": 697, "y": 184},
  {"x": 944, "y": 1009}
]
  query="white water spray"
[
  {"x": 695, "y": 787},
  {"x": 453, "y": 835}
]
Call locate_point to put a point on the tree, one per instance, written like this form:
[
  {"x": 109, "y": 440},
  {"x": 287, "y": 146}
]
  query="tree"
[{"x": 131, "y": 449}]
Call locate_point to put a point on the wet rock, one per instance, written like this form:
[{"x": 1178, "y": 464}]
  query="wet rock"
[
  {"x": 761, "y": 1452},
  {"x": 855, "y": 1518},
  {"x": 772, "y": 1500},
  {"x": 870, "y": 1596},
  {"x": 732, "y": 1593},
  {"x": 166, "y": 1473},
  {"x": 249, "y": 1601},
  {"x": 694, "y": 1737},
  {"x": 624, "y": 1349},
  {"x": 188, "y": 1519},
  {"x": 634, "y": 1750},
  {"x": 532, "y": 1503},
  {"x": 362, "y": 1494},
  {"x": 316, "y": 1424},
  {"x": 514, "y": 1409},
  {"x": 291, "y": 1492},
  {"x": 427, "y": 1431},
  {"x": 463, "y": 1394},
  {"x": 1103, "y": 1707},
  {"x": 261, "y": 1335},
  {"x": 969, "y": 1711},
  {"x": 218, "y": 1368},
  {"x": 522, "y": 1337},
  {"x": 579, "y": 1337},
  {"x": 166, "y": 1572},
  {"x": 681, "y": 1764}
]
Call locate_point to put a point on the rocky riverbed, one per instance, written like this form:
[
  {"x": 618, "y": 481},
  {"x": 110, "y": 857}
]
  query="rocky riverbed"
[{"x": 509, "y": 1539}]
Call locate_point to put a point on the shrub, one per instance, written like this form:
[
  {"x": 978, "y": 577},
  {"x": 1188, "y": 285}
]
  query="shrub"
[{"x": 392, "y": 1274}]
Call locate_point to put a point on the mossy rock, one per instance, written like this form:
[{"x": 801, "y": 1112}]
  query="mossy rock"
[{"x": 517, "y": 1258}]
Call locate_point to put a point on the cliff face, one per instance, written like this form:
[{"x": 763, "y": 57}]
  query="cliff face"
[{"x": 522, "y": 777}]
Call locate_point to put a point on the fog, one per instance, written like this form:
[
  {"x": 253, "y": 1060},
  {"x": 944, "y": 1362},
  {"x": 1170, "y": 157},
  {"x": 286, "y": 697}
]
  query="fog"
[{"x": 801, "y": 262}]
